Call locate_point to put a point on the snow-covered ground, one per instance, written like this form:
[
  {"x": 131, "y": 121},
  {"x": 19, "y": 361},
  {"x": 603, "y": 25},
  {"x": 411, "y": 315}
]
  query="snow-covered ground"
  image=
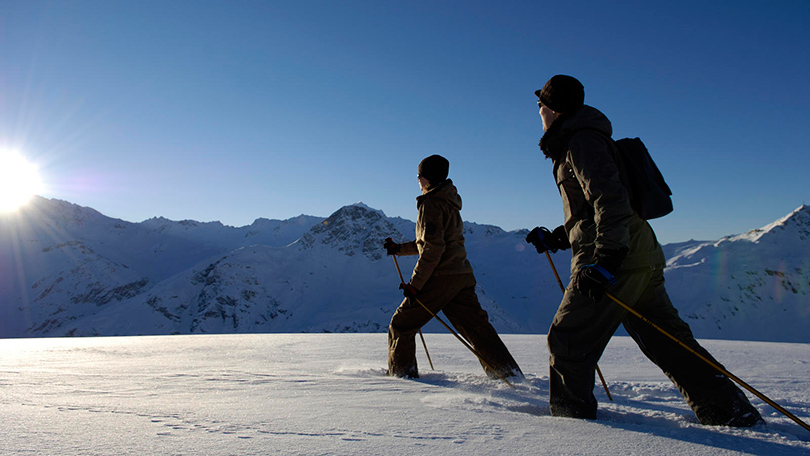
[{"x": 326, "y": 394}]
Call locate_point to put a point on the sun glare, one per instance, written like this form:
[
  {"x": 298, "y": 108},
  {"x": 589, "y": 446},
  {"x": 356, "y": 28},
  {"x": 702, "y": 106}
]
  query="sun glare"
[{"x": 19, "y": 180}]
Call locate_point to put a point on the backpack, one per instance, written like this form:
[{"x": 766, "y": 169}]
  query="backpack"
[{"x": 649, "y": 194}]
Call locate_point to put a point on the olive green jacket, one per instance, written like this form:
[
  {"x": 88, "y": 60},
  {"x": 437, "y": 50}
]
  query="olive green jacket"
[
  {"x": 439, "y": 236},
  {"x": 598, "y": 215}
]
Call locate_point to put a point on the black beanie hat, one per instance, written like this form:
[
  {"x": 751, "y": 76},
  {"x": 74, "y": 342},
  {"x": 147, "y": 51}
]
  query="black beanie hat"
[
  {"x": 434, "y": 169},
  {"x": 563, "y": 94}
]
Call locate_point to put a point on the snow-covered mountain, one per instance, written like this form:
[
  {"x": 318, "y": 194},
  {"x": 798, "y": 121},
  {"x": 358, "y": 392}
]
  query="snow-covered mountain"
[
  {"x": 69, "y": 270},
  {"x": 752, "y": 286}
]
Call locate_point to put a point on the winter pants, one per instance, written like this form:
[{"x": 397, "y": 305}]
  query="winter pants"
[
  {"x": 581, "y": 330},
  {"x": 455, "y": 296}
]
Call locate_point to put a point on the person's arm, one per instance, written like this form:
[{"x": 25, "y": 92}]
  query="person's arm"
[
  {"x": 596, "y": 170},
  {"x": 430, "y": 242},
  {"x": 408, "y": 248}
]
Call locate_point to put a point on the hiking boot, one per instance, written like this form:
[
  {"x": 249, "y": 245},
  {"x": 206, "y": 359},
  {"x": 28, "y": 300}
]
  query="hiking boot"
[
  {"x": 747, "y": 419},
  {"x": 571, "y": 410},
  {"x": 733, "y": 410},
  {"x": 506, "y": 373},
  {"x": 411, "y": 373},
  {"x": 723, "y": 418}
]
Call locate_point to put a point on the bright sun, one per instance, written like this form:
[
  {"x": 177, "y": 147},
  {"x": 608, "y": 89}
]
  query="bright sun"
[{"x": 19, "y": 180}]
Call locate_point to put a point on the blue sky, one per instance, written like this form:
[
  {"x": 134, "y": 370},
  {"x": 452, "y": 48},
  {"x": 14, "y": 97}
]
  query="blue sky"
[{"x": 232, "y": 111}]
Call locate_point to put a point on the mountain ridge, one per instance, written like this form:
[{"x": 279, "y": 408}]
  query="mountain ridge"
[{"x": 75, "y": 272}]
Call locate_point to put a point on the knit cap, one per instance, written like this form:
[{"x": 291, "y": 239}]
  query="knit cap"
[
  {"x": 434, "y": 169},
  {"x": 563, "y": 94}
]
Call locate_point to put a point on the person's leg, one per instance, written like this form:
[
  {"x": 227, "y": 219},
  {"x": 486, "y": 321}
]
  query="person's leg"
[
  {"x": 713, "y": 397},
  {"x": 409, "y": 317},
  {"x": 472, "y": 322},
  {"x": 579, "y": 333},
  {"x": 401, "y": 340}
]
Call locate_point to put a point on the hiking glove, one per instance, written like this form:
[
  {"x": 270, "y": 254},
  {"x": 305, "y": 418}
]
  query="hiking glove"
[
  {"x": 594, "y": 279},
  {"x": 408, "y": 290},
  {"x": 544, "y": 240},
  {"x": 391, "y": 247}
]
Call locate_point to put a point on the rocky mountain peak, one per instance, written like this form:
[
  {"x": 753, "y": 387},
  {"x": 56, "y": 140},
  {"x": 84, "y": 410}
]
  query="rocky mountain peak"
[{"x": 352, "y": 229}]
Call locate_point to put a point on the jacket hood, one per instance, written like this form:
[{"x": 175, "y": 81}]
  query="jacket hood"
[
  {"x": 555, "y": 140},
  {"x": 445, "y": 191}
]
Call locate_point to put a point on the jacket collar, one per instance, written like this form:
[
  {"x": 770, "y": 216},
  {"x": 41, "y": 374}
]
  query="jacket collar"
[
  {"x": 554, "y": 142},
  {"x": 445, "y": 190}
]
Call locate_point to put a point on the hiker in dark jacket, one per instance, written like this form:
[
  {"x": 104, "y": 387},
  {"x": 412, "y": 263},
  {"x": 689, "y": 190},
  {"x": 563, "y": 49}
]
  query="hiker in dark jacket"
[
  {"x": 609, "y": 241},
  {"x": 442, "y": 280}
]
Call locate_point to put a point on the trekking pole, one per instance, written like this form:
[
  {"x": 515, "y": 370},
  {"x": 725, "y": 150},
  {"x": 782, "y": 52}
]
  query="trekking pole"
[
  {"x": 420, "y": 330},
  {"x": 460, "y": 339},
  {"x": 562, "y": 287},
  {"x": 712, "y": 363}
]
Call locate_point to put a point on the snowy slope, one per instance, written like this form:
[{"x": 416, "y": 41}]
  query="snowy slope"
[
  {"x": 744, "y": 286},
  {"x": 73, "y": 271},
  {"x": 61, "y": 262},
  {"x": 336, "y": 278},
  {"x": 324, "y": 394}
]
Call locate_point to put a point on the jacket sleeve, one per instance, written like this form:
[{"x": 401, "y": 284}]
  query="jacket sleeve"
[
  {"x": 430, "y": 242},
  {"x": 595, "y": 168},
  {"x": 408, "y": 248}
]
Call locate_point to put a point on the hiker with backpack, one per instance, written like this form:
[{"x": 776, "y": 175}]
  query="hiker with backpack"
[
  {"x": 613, "y": 249},
  {"x": 442, "y": 280}
]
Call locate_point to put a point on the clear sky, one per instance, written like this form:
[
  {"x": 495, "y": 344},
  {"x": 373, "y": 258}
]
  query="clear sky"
[{"x": 232, "y": 111}]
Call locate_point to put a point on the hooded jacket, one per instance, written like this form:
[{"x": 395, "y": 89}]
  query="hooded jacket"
[
  {"x": 439, "y": 236},
  {"x": 598, "y": 215}
]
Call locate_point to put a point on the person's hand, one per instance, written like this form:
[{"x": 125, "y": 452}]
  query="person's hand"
[
  {"x": 391, "y": 247},
  {"x": 593, "y": 280},
  {"x": 408, "y": 290},
  {"x": 544, "y": 240}
]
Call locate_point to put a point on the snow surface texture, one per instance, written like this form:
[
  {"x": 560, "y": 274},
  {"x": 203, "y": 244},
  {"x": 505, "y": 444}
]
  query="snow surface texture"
[
  {"x": 69, "y": 270},
  {"x": 322, "y": 394}
]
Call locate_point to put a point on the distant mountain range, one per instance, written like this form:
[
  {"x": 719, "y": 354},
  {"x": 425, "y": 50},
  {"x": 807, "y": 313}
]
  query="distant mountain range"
[{"x": 68, "y": 270}]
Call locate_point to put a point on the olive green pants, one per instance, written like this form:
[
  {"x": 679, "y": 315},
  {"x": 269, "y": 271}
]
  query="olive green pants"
[
  {"x": 455, "y": 296},
  {"x": 582, "y": 328}
]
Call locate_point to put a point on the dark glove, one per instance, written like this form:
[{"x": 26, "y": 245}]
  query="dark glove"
[
  {"x": 391, "y": 247},
  {"x": 408, "y": 290},
  {"x": 594, "y": 279},
  {"x": 543, "y": 240}
]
